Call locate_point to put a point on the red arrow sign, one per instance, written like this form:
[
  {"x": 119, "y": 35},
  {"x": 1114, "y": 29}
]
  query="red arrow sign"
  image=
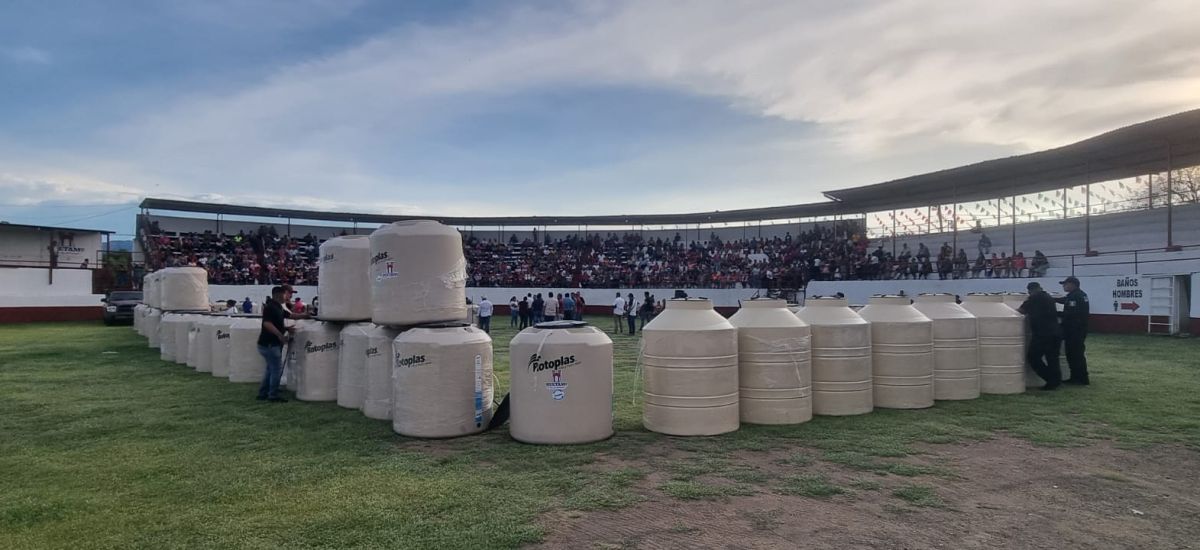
[{"x": 1131, "y": 306}]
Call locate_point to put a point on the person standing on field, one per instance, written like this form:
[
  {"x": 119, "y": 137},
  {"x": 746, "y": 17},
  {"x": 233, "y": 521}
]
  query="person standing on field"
[
  {"x": 1043, "y": 346},
  {"x": 631, "y": 314},
  {"x": 1075, "y": 328},
  {"x": 619, "y": 314},
  {"x": 550, "y": 307},
  {"x": 523, "y": 309},
  {"x": 271, "y": 340},
  {"x": 485, "y": 315},
  {"x": 568, "y": 308},
  {"x": 513, "y": 312}
]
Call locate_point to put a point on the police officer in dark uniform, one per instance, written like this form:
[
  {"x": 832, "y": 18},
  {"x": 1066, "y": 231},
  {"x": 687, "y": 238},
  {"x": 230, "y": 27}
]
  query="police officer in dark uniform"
[
  {"x": 1043, "y": 345},
  {"x": 1075, "y": 327}
]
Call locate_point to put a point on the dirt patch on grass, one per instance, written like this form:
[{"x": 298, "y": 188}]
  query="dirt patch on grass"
[{"x": 1000, "y": 493}]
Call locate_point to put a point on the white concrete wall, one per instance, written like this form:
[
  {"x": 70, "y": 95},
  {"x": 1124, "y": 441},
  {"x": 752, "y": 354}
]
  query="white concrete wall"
[
  {"x": 30, "y": 287},
  {"x": 29, "y": 246},
  {"x": 500, "y": 296}
]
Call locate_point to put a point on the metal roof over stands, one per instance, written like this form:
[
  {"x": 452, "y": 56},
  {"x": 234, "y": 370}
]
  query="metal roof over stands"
[{"x": 1144, "y": 148}]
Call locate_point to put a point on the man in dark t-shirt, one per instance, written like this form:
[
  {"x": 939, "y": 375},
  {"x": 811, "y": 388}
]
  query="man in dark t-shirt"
[{"x": 271, "y": 339}]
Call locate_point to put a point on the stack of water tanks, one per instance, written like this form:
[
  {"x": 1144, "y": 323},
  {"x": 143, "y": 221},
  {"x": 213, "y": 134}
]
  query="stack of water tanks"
[
  {"x": 690, "y": 370},
  {"x": 901, "y": 353},
  {"x": 150, "y": 326},
  {"x": 442, "y": 381},
  {"x": 841, "y": 357},
  {"x": 562, "y": 384},
  {"x": 183, "y": 289},
  {"x": 955, "y": 347},
  {"x": 315, "y": 361},
  {"x": 418, "y": 274},
  {"x": 1001, "y": 344},
  {"x": 166, "y": 335},
  {"x": 774, "y": 363},
  {"x": 344, "y": 280}
]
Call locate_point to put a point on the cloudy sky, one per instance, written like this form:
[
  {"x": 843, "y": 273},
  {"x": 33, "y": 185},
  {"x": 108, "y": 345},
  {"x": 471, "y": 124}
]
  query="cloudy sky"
[{"x": 554, "y": 107}]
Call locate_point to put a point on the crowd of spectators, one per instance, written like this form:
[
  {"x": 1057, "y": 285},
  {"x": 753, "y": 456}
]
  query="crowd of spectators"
[{"x": 834, "y": 251}]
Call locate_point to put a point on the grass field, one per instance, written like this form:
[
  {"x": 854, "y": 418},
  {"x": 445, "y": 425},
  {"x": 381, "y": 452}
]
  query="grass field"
[{"x": 102, "y": 445}]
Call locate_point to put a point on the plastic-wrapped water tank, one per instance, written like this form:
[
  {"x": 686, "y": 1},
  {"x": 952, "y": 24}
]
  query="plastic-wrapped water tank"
[
  {"x": 183, "y": 329},
  {"x": 149, "y": 289},
  {"x": 222, "y": 343},
  {"x": 1001, "y": 344},
  {"x": 205, "y": 332},
  {"x": 418, "y": 274},
  {"x": 352, "y": 365},
  {"x": 292, "y": 355},
  {"x": 344, "y": 279},
  {"x": 841, "y": 357},
  {"x": 151, "y": 322},
  {"x": 901, "y": 353},
  {"x": 166, "y": 336},
  {"x": 955, "y": 347},
  {"x": 184, "y": 289},
  {"x": 138, "y": 312},
  {"x": 316, "y": 367},
  {"x": 774, "y": 363},
  {"x": 193, "y": 346},
  {"x": 442, "y": 381},
  {"x": 690, "y": 370},
  {"x": 377, "y": 396},
  {"x": 245, "y": 364},
  {"x": 562, "y": 384}
]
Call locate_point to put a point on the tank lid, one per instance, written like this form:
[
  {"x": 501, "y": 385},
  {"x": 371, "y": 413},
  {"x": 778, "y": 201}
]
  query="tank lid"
[
  {"x": 561, "y": 324},
  {"x": 445, "y": 324},
  {"x": 689, "y": 303},
  {"x": 764, "y": 303},
  {"x": 935, "y": 297},
  {"x": 889, "y": 300},
  {"x": 825, "y": 301}
]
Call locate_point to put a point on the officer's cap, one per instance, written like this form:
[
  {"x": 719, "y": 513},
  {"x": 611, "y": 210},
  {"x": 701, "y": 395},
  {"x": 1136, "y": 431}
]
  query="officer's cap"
[{"x": 1070, "y": 279}]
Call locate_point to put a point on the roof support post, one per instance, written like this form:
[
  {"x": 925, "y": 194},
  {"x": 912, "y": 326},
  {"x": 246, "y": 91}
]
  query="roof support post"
[
  {"x": 893, "y": 233},
  {"x": 1014, "y": 226},
  {"x": 1064, "y": 203},
  {"x": 954, "y": 230},
  {"x": 1087, "y": 220},
  {"x": 1170, "y": 208}
]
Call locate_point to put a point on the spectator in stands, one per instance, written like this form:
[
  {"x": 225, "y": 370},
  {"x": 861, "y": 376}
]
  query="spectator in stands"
[
  {"x": 231, "y": 307},
  {"x": 1018, "y": 265},
  {"x": 550, "y": 308},
  {"x": 485, "y": 314},
  {"x": 618, "y": 314},
  {"x": 1040, "y": 264},
  {"x": 513, "y": 312},
  {"x": 985, "y": 244},
  {"x": 312, "y": 308},
  {"x": 298, "y": 305},
  {"x": 980, "y": 267}
]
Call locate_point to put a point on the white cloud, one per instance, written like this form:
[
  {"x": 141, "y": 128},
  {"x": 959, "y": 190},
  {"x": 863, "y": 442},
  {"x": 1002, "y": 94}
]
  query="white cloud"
[
  {"x": 20, "y": 190},
  {"x": 27, "y": 54}
]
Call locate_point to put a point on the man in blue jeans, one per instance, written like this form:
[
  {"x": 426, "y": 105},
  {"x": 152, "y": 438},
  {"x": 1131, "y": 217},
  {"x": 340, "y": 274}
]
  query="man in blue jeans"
[{"x": 271, "y": 340}]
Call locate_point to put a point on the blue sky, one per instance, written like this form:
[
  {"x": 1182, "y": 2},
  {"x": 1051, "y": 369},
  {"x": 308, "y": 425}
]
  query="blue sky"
[{"x": 480, "y": 108}]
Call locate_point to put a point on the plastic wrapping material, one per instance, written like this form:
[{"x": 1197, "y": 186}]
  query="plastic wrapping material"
[
  {"x": 183, "y": 329},
  {"x": 352, "y": 365},
  {"x": 166, "y": 336},
  {"x": 150, "y": 327},
  {"x": 377, "y": 395},
  {"x": 150, "y": 293},
  {"x": 562, "y": 384},
  {"x": 246, "y": 365},
  {"x": 690, "y": 370},
  {"x": 901, "y": 353},
  {"x": 774, "y": 364},
  {"x": 344, "y": 279},
  {"x": 841, "y": 357},
  {"x": 418, "y": 274},
  {"x": 222, "y": 344},
  {"x": 955, "y": 347},
  {"x": 442, "y": 376},
  {"x": 316, "y": 367},
  {"x": 184, "y": 289},
  {"x": 1001, "y": 344}
]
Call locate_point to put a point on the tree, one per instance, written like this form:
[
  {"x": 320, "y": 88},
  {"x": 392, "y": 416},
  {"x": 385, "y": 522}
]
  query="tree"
[{"x": 1185, "y": 188}]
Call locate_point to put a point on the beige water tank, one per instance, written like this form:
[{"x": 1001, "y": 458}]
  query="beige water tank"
[
  {"x": 246, "y": 366},
  {"x": 317, "y": 361},
  {"x": 166, "y": 336},
  {"x": 377, "y": 395},
  {"x": 183, "y": 329},
  {"x": 193, "y": 343},
  {"x": 138, "y": 311},
  {"x": 901, "y": 353},
  {"x": 222, "y": 343},
  {"x": 418, "y": 274},
  {"x": 150, "y": 289},
  {"x": 690, "y": 370},
  {"x": 151, "y": 322},
  {"x": 352, "y": 365},
  {"x": 344, "y": 279},
  {"x": 774, "y": 363},
  {"x": 1001, "y": 344},
  {"x": 184, "y": 289},
  {"x": 955, "y": 347},
  {"x": 442, "y": 381},
  {"x": 562, "y": 384},
  {"x": 201, "y": 353},
  {"x": 292, "y": 355},
  {"x": 841, "y": 357}
]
